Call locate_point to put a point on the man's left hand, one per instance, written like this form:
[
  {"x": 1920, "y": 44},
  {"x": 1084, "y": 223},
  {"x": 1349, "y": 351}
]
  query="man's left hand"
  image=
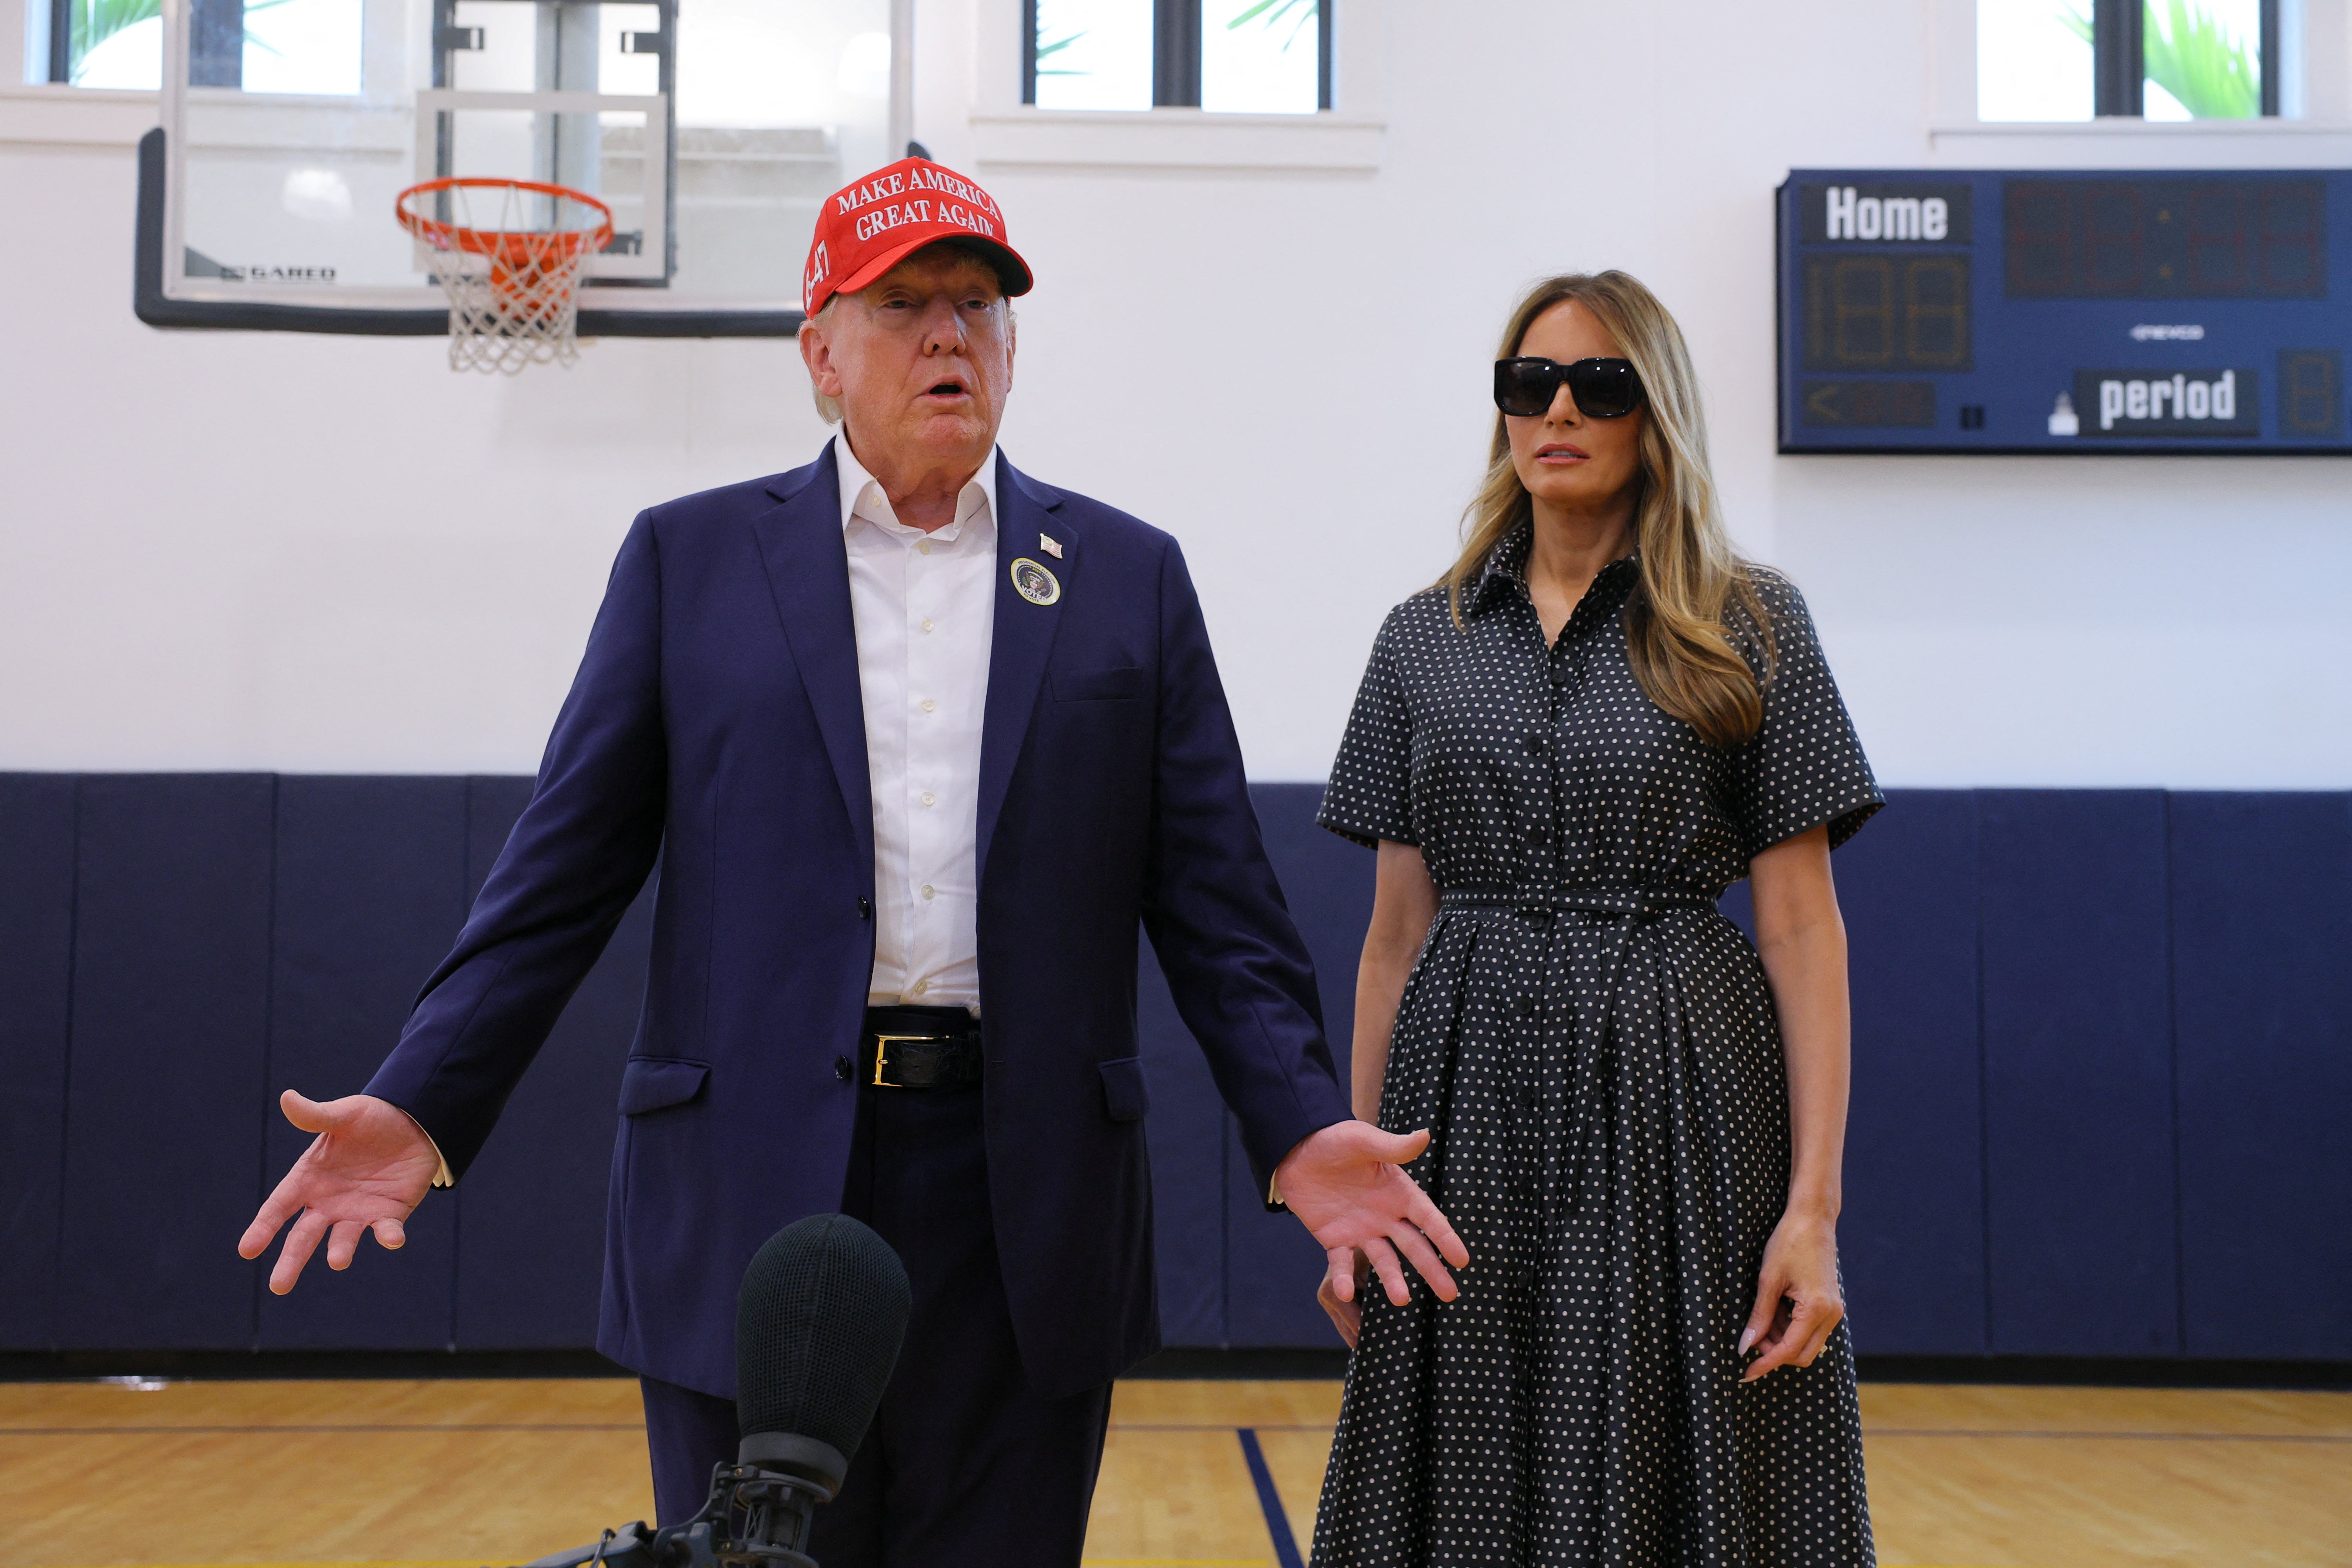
[{"x": 1347, "y": 1185}]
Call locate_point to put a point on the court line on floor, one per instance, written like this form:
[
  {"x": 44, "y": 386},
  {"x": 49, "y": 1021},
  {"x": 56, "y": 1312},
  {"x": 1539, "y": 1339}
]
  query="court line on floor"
[
  {"x": 215, "y": 1429},
  {"x": 1269, "y": 1500},
  {"x": 1219, "y": 1427},
  {"x": 1867, "y": 1432},
  {"x": 382, "y": 1426}
]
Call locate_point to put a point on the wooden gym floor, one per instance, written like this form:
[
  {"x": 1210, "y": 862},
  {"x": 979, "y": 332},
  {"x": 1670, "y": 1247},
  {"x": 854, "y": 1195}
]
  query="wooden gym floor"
[{"x": 1197, "y": 1475}]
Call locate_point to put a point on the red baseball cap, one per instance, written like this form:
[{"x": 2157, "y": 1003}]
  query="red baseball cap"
[{"x": 866, "y": 229}]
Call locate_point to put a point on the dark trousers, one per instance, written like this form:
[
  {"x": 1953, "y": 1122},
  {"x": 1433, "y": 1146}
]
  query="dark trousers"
[{"x": 963, "y": 1465}]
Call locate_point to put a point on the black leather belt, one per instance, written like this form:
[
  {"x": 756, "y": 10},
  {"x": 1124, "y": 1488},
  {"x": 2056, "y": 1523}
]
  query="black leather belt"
[{"x": 919, "y": 1048}]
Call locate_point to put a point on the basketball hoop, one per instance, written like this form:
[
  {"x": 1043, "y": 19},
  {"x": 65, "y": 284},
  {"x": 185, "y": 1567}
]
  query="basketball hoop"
[{"x": 507, "y": 254}]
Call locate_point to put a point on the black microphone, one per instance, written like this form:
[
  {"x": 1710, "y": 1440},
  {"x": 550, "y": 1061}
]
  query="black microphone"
[{"x": 817, "y": 1327}]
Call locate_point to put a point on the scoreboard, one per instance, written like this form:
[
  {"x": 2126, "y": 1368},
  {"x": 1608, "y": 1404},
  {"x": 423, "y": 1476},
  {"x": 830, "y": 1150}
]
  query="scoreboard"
[{"x": 1949, "y": 311}]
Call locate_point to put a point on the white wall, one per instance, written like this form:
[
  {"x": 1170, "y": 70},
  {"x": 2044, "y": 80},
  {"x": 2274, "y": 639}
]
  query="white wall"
[{"x": 314, "y": 554}]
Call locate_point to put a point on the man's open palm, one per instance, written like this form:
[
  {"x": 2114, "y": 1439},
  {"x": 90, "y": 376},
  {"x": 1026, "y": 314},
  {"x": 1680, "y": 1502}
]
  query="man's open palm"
[
  {"x": 1348, "y": 1185},
  {"x": 369, "y": 1167}
]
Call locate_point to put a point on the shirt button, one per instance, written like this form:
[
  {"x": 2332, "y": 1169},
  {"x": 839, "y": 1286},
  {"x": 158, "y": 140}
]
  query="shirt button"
[
  {"x": 922, "y": 547},
  {"x": 927, "y": 623},
  {"x": 929, "y": 799},
  {"x": 921, "y": 986},
  {"x": 841, "y": 1068},
  {"x": 929, "y": 891},
  {"x": 930, "y": 706}
]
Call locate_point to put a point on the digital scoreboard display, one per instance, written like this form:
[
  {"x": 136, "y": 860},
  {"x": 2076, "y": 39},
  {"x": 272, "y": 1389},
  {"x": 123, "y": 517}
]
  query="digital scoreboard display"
[{"x": 2065, "y": 312}]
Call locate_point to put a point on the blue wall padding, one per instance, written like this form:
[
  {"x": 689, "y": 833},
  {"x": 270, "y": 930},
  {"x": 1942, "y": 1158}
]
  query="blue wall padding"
[
  {"x": 369, "y": 889},
  {"x": 2082, "y": 1241},
  {"x": 2053, "y": 992},
  {"x": 1272, "y": 1269},
  {"x": 1739, "y": 909},
  {"x": 1186, "y": 1128},
  {"x": 532, "y": 1235},
  {"x": 2262, "y": 1019},
  {"x": 1273, "y": 1266},
  {"x": 36, "y": 878},
  {"x": 166, "y": 1097},
  {"x": 1912, "y": 1234}
]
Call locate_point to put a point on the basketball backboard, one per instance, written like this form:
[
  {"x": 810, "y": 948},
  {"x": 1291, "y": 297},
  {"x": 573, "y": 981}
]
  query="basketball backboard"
[{"x": 713, "y": 129}]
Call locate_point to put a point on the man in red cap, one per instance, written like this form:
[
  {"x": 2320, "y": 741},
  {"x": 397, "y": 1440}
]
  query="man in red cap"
[{"x": 919, "y": 743}]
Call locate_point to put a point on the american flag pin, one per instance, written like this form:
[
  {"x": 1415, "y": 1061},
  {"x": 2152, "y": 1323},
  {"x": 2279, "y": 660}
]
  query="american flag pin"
[{"x": 1050, "y": 545}]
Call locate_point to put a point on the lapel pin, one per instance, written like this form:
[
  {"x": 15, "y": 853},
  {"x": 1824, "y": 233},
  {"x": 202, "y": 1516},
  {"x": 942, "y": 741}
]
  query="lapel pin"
[
  {"x": 1034, "y": 583},
  {"x": 1050, "y": 545}
]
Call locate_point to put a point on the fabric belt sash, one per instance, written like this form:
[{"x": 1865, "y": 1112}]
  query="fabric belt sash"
[
  {"x": 1642, "y": 904},
  {"x": 1632, "y": 907},
  {"x": 919, "y": 1048}
]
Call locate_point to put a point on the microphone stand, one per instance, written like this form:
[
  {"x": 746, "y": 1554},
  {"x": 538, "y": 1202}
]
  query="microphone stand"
[{"x": 774, "y": 1489}]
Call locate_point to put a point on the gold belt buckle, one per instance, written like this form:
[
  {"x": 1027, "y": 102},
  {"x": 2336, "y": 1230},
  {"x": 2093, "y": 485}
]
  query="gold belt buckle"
[{"x": 882, "y": 1055}]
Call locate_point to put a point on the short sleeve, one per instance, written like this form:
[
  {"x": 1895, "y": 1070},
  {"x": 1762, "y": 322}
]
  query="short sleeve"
[
  {"x": 1804, "y": 768},
  {"x": 1370, "y": 797}
]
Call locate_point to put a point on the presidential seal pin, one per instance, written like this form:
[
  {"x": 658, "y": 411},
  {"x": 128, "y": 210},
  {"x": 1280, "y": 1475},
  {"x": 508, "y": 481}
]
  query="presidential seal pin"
[
  {"x": 1050, "y": 545},
  {"x": 1034, "y": 583}
]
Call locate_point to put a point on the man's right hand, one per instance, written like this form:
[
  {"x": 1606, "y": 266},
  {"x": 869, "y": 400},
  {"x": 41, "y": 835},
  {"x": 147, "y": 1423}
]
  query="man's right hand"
[{"x": 367, "y": 1169}]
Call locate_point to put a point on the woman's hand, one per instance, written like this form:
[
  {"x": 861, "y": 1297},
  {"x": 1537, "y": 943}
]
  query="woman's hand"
[
  {"x": 1798, "y": 1303},
  {"x": 1346, "y": 1315}
]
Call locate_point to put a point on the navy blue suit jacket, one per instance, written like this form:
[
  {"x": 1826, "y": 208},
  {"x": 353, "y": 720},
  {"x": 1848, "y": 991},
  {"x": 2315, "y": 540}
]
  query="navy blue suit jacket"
[{"x": 716, "y": 723}]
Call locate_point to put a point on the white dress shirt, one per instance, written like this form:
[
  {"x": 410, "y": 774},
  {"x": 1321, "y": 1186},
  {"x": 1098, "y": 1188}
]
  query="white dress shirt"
[{"x": 925, "y": 609}]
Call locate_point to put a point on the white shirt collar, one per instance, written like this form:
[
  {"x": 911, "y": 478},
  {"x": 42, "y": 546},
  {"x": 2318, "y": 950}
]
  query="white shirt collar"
[{"x": 862, "y": 496}]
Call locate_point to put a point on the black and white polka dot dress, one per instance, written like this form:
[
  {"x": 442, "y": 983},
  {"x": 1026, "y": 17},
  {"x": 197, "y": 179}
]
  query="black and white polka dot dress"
[{"x": 1595, "y": 1049}]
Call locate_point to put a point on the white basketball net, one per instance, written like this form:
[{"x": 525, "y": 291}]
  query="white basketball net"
[{"x": 512, "y": 277}]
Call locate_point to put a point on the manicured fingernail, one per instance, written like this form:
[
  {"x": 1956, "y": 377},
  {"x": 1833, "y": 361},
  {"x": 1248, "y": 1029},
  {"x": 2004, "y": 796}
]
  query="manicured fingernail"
[{"x": 1747, "y": 1338}]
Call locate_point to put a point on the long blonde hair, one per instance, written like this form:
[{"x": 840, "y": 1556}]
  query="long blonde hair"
[{"x": 1692, "y": 584}]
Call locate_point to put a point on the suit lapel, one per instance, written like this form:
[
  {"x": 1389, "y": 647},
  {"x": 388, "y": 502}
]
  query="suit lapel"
[
  {"x": 807, "y": 562},
  {"x": 1022, "y": 637}
]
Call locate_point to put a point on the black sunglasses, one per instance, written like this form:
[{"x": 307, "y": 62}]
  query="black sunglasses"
[{"x": 1603, "y": 388}]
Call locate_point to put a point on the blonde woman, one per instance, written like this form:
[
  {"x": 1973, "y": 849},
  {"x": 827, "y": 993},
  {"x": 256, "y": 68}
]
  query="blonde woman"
[{"x": 1564, "y": 753}]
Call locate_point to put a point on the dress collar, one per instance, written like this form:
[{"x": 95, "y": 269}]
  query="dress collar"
[{"x": 1505, "y": 572}]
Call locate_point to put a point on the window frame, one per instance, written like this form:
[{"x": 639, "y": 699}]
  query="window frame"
[{"x": 1176, "y": 54}]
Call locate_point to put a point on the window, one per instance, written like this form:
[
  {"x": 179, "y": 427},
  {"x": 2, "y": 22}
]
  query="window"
[
  {"x": 713, "y": 130},
  {"x": 2154, "y": 60},
  {"x": 259, "y": 46},
  {"x": 1247, "y": 57}
]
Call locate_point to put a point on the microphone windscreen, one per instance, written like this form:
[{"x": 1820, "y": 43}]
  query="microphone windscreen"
[{"x": 817, "y": 1327}]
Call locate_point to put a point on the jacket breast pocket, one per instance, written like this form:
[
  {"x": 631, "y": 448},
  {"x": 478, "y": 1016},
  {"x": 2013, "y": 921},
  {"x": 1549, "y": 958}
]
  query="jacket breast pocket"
[
  {"x": 1125, "y": 1098},
  {"x": 657, "y": 1083},
  {"x": 1124, "y": 682}
]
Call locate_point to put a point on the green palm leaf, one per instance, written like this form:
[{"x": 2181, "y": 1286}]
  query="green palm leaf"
[
  {"x": 2213, "y": 75},
  {"x": 1055, "y": 48},
  {"x": 1273, "y": 11},
  {"x": 95, "y": 21},
  {"x": 2191, "y": 56}
]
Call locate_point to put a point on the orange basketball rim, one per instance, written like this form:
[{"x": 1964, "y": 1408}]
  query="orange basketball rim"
[{"x": 524, "y": 306}]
